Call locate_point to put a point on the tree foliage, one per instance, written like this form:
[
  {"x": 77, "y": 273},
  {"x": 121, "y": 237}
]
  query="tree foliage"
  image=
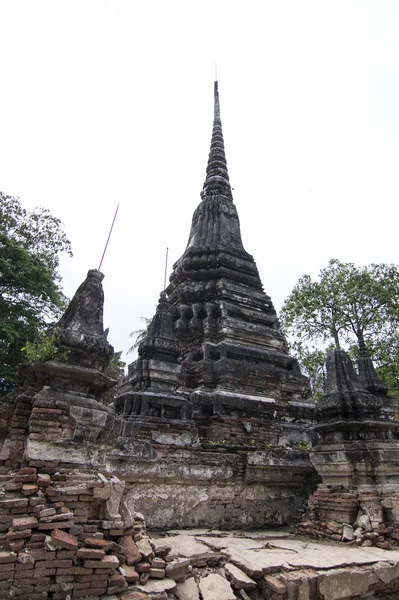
[
  {"x": 30, "y": 294},
  {"x": 139, "y": 334},
  {"x": 346, "y": 307}
]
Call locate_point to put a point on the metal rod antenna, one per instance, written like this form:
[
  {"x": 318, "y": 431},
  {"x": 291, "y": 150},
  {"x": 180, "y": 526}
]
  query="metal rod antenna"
[
  {"x": 109, "y": 235},
  {"x": 166, "y": 268}
]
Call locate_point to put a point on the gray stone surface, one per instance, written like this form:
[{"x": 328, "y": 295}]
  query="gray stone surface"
[
  {"x": 187, "y": 590},
  {"x": 177, "y": 569},
  {"x": 155, "y": 586},
  {"x": 339, "y": 584},
  {"x": 238, "y": 578},
  {"x": 215, "y": 587},
  {"x": 256, "y": 557},
  {"x": 145, "y": 547},
  {"x": 240, "y": 543},
  {"x": 183, "y": 545}
]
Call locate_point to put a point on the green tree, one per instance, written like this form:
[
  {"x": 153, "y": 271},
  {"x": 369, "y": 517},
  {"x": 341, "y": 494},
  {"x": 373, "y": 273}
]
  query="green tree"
[
  {"x": 349, "y": 307},
  {"x": 30, "y": 294},
  {"x": 139, "y": 334}
]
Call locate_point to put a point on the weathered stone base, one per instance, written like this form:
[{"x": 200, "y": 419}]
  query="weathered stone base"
[
  {"x": 278, "y": 566},
  {"x": 229, "y": 488},
  {"x": 359, "y": 517},
  {"x": 241, "y": 473}
]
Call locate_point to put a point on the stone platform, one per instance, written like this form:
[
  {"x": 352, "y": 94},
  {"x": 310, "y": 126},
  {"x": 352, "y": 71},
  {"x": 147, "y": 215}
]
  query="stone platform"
[{"x": 273, "y": 565}]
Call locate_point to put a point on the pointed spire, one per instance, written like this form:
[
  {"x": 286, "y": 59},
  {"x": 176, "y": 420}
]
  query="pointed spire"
[
  {"x": 81, "y": 328},
  {"x": 159, "y": 343},
  {"x": 367, "y": 373},
  {"x": 217, "y": 177}
]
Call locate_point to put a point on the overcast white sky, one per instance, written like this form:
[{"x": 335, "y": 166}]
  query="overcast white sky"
[{"x": 112, "y": 101}]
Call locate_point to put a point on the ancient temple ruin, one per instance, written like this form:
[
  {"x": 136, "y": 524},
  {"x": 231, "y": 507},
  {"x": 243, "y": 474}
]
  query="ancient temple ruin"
[
  {"x": 212, "y": 427},
  {"x": 214, "y": 372},
  {"x": 214, "y": 350}
]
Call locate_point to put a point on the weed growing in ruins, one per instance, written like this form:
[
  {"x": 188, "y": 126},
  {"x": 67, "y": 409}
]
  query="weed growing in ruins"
[{"x": 45, "y": 348}]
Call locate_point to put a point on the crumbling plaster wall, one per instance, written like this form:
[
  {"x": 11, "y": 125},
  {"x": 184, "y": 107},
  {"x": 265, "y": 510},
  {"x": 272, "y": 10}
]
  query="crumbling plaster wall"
[{"x": 207, "y": 484}]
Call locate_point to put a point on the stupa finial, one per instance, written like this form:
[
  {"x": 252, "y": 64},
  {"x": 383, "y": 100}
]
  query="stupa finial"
[{"x": 217, "y": 178}]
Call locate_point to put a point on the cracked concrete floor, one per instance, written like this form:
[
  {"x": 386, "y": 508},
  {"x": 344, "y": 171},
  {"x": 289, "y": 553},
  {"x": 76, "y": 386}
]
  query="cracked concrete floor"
[{"x": 225, "y": 565}]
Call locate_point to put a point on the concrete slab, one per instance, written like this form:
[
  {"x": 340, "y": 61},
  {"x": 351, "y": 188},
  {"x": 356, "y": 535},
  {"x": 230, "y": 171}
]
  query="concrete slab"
[
  {"x": 258, "y": 562},
  {"x": 194, "y": 532},
  {"x": 259, "y": 535},
  {"x": 255, "y": 559},
  {"x": 155, "y": 586},
  {"x": 231, "y": 542},
  {"x": 183, "y": 545},
  {"x": 337, "y": 567},
  {"x": 187, "y": 590},
  {"x": 238, "y": 579},
  {"x": 215, "y": 587}
]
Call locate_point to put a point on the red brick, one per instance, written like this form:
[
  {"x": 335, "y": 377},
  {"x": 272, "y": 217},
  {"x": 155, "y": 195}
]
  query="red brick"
[
  {"x": 90, "y": 553},
  {"x": 108, "y": 562},
  {"x": 144, "y": 577},
  {"x": 13, "y": 486},
  {"x": 83, "y": 593},
  {"x": 14, "y": 503},
  {"x": 27, "y": 471},
  {"x": 16, "y": 545},
  {"x": 130, "y": 550},
  {"x": 43, "y": 554},
  {"x": 158, "y": 563},
  {"x": 18, "y": 535},
  {"x": 61, "y": 539},
  {"x": 26, "y": 478},
  {"x": 7, "y": 557},
  {"x": 57, "y": 525},
  {"x": 116, "y": 578},
  {"x": 42, "y": 572},
  {"x": 131, "y": 574},
  {"x": 157, "y": 573},
  {"x": 47, "y": 411},
  {"x": 64, "y": 578},
  {"x": 143, "y": 567},
  {"x": 98, "y": 543},
  {"x": 82, "y": 572},
  {"x": 38, "y": 537},
  {"x": 63, "y": 572},
  {"x": 29, "y": 488},
  {"x": 66, "y": 553},
  {"x": 21, "y": 523},
  {"x": 54, "y": 564},
  {"x": 5, "y": 585},
  {"x": 43, "y": 480},
  {"x": 35, "y": 501},
  {"x": 23, "y": 574},
  {"x": 34, "y": 545},
  {"x": 274, "y": 584}
]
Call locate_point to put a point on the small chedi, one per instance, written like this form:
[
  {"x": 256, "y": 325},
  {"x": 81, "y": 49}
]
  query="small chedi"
[{"x": 357, "y": 457}]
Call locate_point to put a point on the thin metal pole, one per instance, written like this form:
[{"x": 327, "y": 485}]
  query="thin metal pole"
[
  {"x": 109, "y": 235},
  {"x": 166, "y": 268}
]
